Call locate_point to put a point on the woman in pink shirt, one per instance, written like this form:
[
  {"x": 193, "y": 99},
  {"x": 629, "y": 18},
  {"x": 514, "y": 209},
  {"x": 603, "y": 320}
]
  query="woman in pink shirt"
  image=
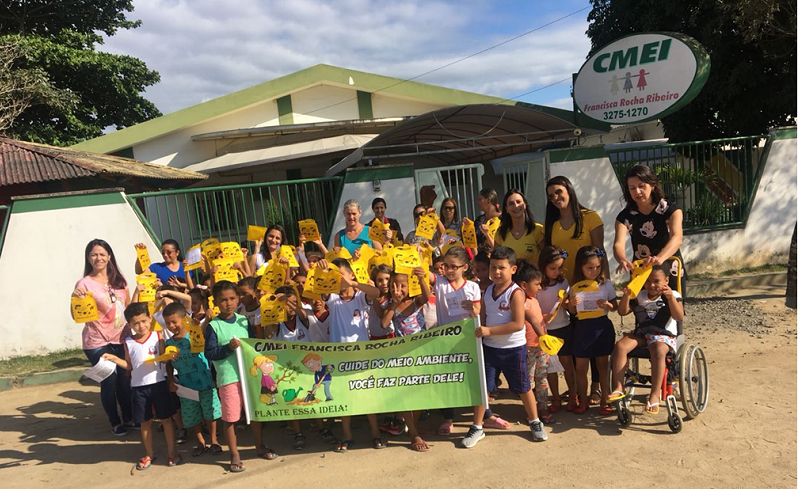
[{"x": 105, "y": 282}]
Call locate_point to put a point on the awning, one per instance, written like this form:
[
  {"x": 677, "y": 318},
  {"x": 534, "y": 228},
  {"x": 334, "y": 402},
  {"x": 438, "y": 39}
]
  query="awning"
[{"x": 469, "y": 134}]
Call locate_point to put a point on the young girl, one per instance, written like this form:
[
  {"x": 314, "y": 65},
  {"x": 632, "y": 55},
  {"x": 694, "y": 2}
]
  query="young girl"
[
  {"x": 550, "y": 263},
  {"x": 249, "y": 305},
  {"x": 593, "y": 337},
  {"x": 656, "y": 312},
  {"x": 381, "y": 276},
  {"x": 528, "y": 277},
  {"x": 456, "y": 298}
]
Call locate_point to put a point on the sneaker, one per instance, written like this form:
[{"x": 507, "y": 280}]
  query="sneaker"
[
  {"x": 472, "y": 437},
  {"x": 299, "y": 441},
  {"x": 538, "y": 431},
  {"x": 131, "y": 425},
  {"x": 181, "y": 436},
  {"x": 119, "y": 430}
]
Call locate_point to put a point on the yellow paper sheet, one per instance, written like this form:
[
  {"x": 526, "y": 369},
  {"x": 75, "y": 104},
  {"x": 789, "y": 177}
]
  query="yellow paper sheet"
[
  {"x": 413, "y": 285},
  {"x": 194, "y": 257},
  {"x": 231, "y": 251},
  {"x": 287, "y": 252},
  {"x": 450, "y": 245},
  {"x": 639, "y": 276},
  {"x": 169, "y": 353},
  {"x": 341, "y": 253},
  {"x": 85, "y": 308},
  {"x": 148, "y": 280},
  {"x": 493, "y": 225},
  {"x": 376, "y": 260},
  {"x": 213, "y": 309},
  {"x": 143, "y": 256},
  {"x": 361, "y": 270},
  {"x": 225, "y": 270},
  {"x": 272, "y": 311},
  {"x": 469, "y": 233},
  {"x": 427, "y": 225},
  {"x": 211, "y": 250},
  {"x": 405, "y": 259},
  {"x": 309, "y": 292},
  {"x": 553, "y": 313},
  {"x": 328, "y": 281},
  {"x": 195, "y": 335},
  {"x": 310, "y": 229},
  {"x": 586, "y": 287},
  {"x": 377, "y": 231},
  {"x": 273, "y": 277},
  {"x": 256, "y": 233},
  {"x": 366, "y": 252}
]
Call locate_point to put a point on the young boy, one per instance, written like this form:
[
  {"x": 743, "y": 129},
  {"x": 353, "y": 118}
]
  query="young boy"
[
  {"x": 148, "y": 381},
  {"x": 249, "y": 305},
  {"x": 504, "y": 343},
  {"x": 222, "y": 337},
  {"x": 194, "y": 373},
  {"x": 349, "y": 323}
]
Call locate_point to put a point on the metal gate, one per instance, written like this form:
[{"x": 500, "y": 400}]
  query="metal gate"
[{"x": 462, "y": 183}]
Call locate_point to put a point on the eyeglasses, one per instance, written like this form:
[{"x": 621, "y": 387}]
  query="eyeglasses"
[
  {"x": 447, "y": 266},
  {"x": 111, "y": 294},
  {"x": 418, "y": 214},
  {"x": 556, "y": 193},
  {"x": 448, "y": 208}
]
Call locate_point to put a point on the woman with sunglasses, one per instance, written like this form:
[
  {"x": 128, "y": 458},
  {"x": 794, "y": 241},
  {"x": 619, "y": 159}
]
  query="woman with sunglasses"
[
  {"x": 171, "y": 266},
  {"x": 419, "y": 211},
  {"x": 488, "y": 203},
  {"x": 105, "y": 282},
  {"x": 570, "y": 225}
]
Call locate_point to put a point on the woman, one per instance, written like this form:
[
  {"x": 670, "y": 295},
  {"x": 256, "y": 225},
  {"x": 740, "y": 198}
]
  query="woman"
[
  {"x": 488, "y": 203},
  {"x": 570, "y": 225},
  {"x": 450, "y": 218},
  {"x": 171, "y": 266},
  {"x": 355, "y": 234},
  {"x": 654, "y": 223},
  {"x": 104, "y": 281},
  {"x": 268, "y": 247},
  {"x": 419, "y": 211},
  {"x": 378, "y": 206},
  {"x": 518, "y": 229}
]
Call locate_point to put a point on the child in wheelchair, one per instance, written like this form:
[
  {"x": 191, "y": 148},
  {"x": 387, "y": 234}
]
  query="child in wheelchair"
[{"x": 656, "y": 310}]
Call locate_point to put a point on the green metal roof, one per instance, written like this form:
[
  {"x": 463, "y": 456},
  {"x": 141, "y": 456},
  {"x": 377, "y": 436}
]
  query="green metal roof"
[{"x": 284, "y": 85}]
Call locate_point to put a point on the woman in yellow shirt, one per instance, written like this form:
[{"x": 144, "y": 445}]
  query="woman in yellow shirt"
[
  {"x": 518, "y": 229},
  {"x": 570, "y": 225}
]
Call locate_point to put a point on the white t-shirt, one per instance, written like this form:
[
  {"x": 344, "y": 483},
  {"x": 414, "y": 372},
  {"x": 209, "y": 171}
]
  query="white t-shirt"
[
  {"x": 498, "y": 311},
  {"x": 348, "y": 319},
  {"x": 300, "y": 333},
  {"x": 447, "y": 299},
  {"x": 652, "y": 306},
  {"x": 158, "y": 317},
  {"x": 141, "y": 373},
  {"x": 548, "y": 297},
  {"x": 253, "y": 317}
]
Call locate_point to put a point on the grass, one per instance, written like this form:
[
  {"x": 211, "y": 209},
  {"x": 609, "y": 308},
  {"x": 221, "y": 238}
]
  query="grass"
[
  {"x": 29, "y": 364},
  {"x": 770, "y": 267}
]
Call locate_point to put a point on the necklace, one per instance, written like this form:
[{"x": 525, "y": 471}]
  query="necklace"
[{"x": 519, "y": 234}]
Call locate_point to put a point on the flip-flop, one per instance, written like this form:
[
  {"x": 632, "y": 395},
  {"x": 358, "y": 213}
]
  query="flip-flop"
[
  {"x": 216, "y": 449},
  {"x": 595, "y": 399},
  {"x": 652, "y": 408},
  {"x": 419, "y": 446},
  {"x": 343, "y": 446},
  {"x": 174, "y": 461},
  {"x": 145, "y": 463},
  {"x": 496, "y": 423},
  {"x": 200, "y": 450},
  {"x": 328, "y": 436},
  {"x": 445, "y": 428},
  {"x": 605, "y": 410},
  {"x": 268, "y": 454},
  {"x": 237, "y": 467},
  {"x": 379, "y": 443},
  {"x": 616, "y": 396}
]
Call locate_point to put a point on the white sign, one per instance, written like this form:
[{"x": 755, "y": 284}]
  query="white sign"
[{"x": 641, "y": 77}]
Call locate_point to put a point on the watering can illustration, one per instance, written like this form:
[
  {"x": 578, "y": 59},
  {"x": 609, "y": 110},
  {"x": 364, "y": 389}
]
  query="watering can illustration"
[{"x": 290, "y": 394}]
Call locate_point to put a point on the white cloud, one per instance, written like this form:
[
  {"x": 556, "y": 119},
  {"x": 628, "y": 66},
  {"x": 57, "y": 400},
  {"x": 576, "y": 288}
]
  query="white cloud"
[{"x": 204, "y": 48}]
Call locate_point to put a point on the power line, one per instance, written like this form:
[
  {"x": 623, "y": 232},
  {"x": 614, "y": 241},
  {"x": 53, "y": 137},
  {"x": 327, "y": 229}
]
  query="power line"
[{"x": 466, "y": 58}]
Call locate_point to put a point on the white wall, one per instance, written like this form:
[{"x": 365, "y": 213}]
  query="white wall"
[
  {"x": 324, "y": 103},
  {"x": 43, "y": 257},
  {"x": 388, "y": 106}
]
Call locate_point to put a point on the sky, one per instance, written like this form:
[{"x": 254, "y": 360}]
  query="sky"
[{"x": 204, "y": 49}]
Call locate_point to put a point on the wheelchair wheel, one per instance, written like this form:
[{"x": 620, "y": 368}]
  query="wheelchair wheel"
[
  {"x": 693, "y": 380},
  {"x": 675, "y": 422},
  {"x": 624, "y": 416}
]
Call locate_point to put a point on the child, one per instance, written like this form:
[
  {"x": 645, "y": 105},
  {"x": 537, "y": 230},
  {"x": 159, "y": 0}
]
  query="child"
[
  {"x": 295, "y": 327},
  {"x": 381, "y": 277},
  {"x": 222, "y": 337},
  {"x": 550, "y": 263},
  {"x": 656, "y": 312},
  {"x": 504, "y": 343},
  {"x": 437, "y": 264},
  {"x": 199, "y": 303},
  {"x": 405, "y": 313},
  {"x": 148, "y": 381},
  {"x": 482, "y": 270},
  {"x": 457, "y": 299},
  {"x": 249, "y": 305},
  {"x": 528, "y": 277},
  {"x": 593, "y": 337},
  {"x": 194, "y": 373},
  {"x": 349, "y": 323}
]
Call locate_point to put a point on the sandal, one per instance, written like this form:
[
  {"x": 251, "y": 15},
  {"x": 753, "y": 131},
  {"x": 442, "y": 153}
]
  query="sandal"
[
  {"x": 174, "y": 461},
  {"x": 328, "y": 436},
  {"x": 299, "y": 441},
  {"x": 652, "y": 408},
  {"x": 605, "y": 410},
  {"x": 237, "y": 466},
  {"x": 343, "y": 447},
  {"x": 616, "y": 396},
  {"x": 200, "y": 450},
  {"x": 267, "y": 454},
  {"x": 496, "y": 423},
  {"x": 556, "y": 403},
  {"x": 546, "y": 418},
  {"x": 572, "y": 404},
  {"x": 445, "y": 428},
  {"x": 216, "y": 449},
  {"x": 379, "y": 443},
  {"x": 419, "y": 446},
  {"x": 144, "y": 463},
  {"x": 581, "y": 408},
  {"x": 595, "y": 398}
]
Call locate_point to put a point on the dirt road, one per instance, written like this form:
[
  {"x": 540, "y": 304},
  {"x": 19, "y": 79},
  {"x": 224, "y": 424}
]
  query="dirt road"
[{"x": 57, "y": 436}]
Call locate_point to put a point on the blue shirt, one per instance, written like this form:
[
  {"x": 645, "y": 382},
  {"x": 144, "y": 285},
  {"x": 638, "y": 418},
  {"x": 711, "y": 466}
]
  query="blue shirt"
[
  {"x": 164, "y": 274},
  {"x": 354, "y": 244},
  {"x": 192, "y": 368}
]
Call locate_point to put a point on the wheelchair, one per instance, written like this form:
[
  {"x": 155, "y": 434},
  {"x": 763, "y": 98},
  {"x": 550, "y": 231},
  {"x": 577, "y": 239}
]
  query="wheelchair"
[{"x": 686, "y": 378}]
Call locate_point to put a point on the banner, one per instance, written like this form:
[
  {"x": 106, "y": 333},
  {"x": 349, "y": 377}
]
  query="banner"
[{"x": 438, "y": 368}]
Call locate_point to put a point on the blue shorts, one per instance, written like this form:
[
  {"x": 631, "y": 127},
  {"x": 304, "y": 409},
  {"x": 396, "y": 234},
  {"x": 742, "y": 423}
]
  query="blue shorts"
[
  {"x": 509, "y": 361},
  {"x": 152, "y": 399}
]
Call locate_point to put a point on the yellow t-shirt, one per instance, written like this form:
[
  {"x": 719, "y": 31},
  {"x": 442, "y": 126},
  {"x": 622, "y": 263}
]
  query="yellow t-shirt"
[
  {"x": 527, "y": 247},
  {"x": 563, "y": 238}
]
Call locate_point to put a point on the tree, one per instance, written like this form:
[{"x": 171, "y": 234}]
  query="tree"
[
  {"x": 751, "y": 86},
  {"x": 60, "y": 38}
]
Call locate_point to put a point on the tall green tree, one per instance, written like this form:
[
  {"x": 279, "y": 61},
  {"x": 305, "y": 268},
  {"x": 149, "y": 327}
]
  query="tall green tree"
[
  {"x": 752, "y": 47},
  {"x": 61, "y": 38}
]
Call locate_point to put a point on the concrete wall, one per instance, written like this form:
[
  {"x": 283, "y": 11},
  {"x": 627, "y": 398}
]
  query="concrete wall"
[{"x": 43, "y": 257}]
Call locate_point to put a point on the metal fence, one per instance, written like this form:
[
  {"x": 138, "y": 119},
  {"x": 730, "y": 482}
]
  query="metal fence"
[
  {"x": 193, "y": 215},
  {"x": 713, "y": 181},
  {"x": 461, "y": 182}
]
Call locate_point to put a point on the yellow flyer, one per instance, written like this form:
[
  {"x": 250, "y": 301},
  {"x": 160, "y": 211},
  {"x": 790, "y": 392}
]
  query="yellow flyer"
[
  {"x": 195, "y": 335},
  {"x": 493, "y": 225},
  {"x": 361, "y": 269},
  {"x": 169, "y": 354},
  {"x": 213, "y": 310},
  {"x": 589, "y": 294},
  {"x": 405, "y": 259},
  {"x": 413, "y": 285},
  {"x": 194, "y": 258},
  {"x": 148, "y": 280},
  {"x": 225, "y": 270},
  {"x": 211, "y": 248},
  {"x": 366, "y": 252},
  {"x": 341, "y": 253},
  {"x": 84, "y": 309},
  {"x": 273, "y": 277},
  {"x": 328, "y": 281},
  {"x": 639, "y": 276},
  {"x": 309, "y": 291},
  {"x": 287, "y": 252},
  {"x": 377, "y": 231},
  {"x": 310, "y": 229},
  {"x": 255, "y": 233},
  {"x": 383, "y": 259},
  {"x": 143, "y": 257},
  {"x": 450, "y": 245},
  {"x": 272, "y": 310},
  {"x": 469, "y": 233},
  {"x": 231, "y": 251},
  {"x": 427, "y": 225}
]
